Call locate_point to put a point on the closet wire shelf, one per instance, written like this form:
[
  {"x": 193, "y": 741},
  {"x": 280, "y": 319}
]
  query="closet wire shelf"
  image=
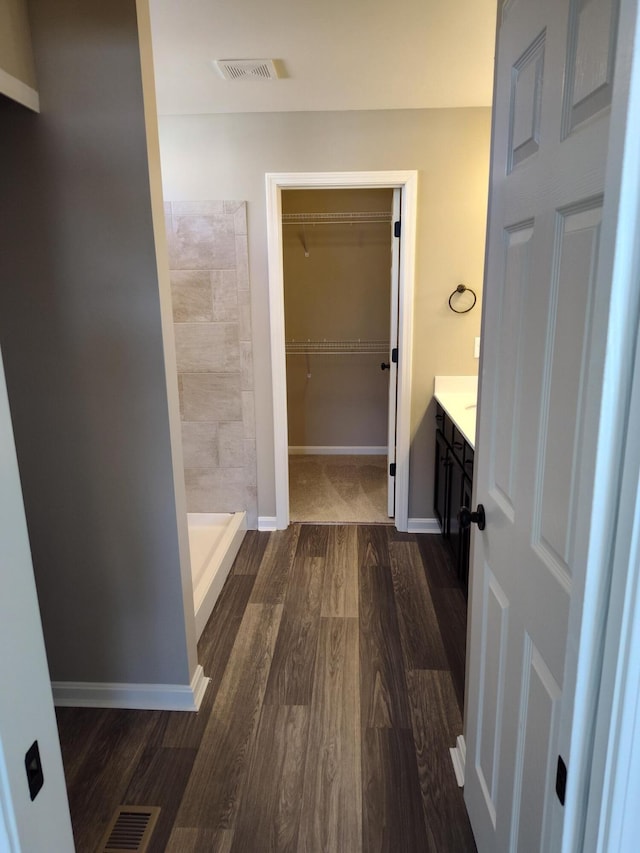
[
  {"x": 340, "y": 218},
  {"x": 336, "y": 347}
]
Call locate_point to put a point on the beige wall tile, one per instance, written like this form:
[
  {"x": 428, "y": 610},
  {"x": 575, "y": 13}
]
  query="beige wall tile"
[
  {"x": 225, "y": 297},
  {"x": 210, "y": 397},
  {"x": 250, "y": 461},
  {"x": 202, "y": 243},
  {"x": 244, "y": 315},
  {"x": 229, "y": 277},
  {"x": 200, "y": 444},
  {"x": 251, "y": 506},
  {"x": 212, "y": 323},
  {"x": 210, "y": 347},
  {"x": 191, "y": 295},
  {"x": 242, "y": 262},
  {"x": 240, "y": 220},
  {"x": 199, "y": 208},
  {"x": 232, "y": 206},
  {"x": 249, "y": 414},
  {"x": 215, "y": 489},
  {"x": 246, "y": 365},
  {"x": 231, "y": 445}
]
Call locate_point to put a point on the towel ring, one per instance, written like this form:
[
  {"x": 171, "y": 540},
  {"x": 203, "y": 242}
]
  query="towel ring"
[{"x": 462, "y": 288}]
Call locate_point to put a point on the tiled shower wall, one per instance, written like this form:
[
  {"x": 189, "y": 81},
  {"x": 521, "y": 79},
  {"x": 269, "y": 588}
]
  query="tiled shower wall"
[{"x": 208, "y": 259}]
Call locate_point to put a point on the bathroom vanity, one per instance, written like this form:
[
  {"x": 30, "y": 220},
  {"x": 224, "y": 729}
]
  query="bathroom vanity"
[{"x": 456, "y": 399}]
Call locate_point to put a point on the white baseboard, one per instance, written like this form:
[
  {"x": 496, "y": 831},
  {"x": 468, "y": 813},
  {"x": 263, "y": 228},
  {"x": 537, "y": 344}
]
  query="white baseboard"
[
  {"x": 267, "y": 523},
  {"x": 458, "y": 758},
  {"x": 423, "y": 525},
  {"x": 338, "y": 450},
  {"x": 140, "y": 697}
]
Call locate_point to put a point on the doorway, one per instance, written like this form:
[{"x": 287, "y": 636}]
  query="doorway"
[
  {"x": 276, "y": 185},
  {"x": 340, "y": 292}
]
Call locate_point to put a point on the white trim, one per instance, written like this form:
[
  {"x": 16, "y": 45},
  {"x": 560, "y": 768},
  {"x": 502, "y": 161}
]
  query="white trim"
[
  {"x": 267, "y": 523},
  {"x": 423, "y": 525},
  {"x": 275, "y": 183},
  {"x": 209, "y": 587},
  {"x": 392, "y": 388},
  {"x": 142, "y": 697},
  {"x": 166, "y": 322},
  {"x": 458, "y": 755},
  {"x": 337, "y": 450},
  {"x": 19, "y": 91}
]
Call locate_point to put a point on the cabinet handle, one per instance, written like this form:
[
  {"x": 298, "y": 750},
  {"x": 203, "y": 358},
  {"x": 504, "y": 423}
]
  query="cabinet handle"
[{"x": 458, "y": 444}]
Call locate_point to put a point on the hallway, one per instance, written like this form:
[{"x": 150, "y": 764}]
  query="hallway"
[{"x": 334, "y": 698}]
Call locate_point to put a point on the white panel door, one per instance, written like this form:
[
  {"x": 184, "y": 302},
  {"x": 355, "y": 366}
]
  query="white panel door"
[
  {"x": 393, "y": 345},
  {"x": 26, "y": 705},
  {"x": 534, "y": 468}
]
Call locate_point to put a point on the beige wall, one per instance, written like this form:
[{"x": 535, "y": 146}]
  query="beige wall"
[
  {"x": 16, "y": 54},
  {"x": 226, "y": 156},
  {"x": 80, "y": 329},
  {"x": 338, "y": 290}
]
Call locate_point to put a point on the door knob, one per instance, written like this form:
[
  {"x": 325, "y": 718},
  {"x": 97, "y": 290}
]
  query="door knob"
[
  {"x": 466, "y": 517},
  {"x": 384, "y": 366}
]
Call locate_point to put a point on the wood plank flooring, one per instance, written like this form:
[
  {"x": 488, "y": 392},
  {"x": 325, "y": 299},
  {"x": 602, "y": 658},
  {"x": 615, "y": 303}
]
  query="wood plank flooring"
[{"x": 336, "y": 658}]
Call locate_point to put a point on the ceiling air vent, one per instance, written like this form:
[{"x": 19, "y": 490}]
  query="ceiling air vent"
[{"x": 247, "y": 69}]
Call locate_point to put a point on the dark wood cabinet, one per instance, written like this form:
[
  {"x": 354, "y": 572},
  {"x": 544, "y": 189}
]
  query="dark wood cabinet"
[
  {"x": 452, "y": 489},
  {"x": 465, "y": 537},
  {"x": 441, "y": 489}
]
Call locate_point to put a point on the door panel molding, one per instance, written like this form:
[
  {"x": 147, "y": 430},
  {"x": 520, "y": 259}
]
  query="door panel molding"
[
  {"x": 275, "y": 182},
  {"x": 491, "y": 701}
]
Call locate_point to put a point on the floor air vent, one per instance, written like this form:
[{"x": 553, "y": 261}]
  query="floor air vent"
[{"x": 130, "y": 829}]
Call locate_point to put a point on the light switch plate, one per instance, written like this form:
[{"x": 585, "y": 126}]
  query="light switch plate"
[{"x": 476, "y": 348}]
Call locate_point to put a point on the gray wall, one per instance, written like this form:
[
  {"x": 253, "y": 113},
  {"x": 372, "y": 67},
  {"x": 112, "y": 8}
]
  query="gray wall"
[
  {"x": 226, "y": 156},
  {"x": 80, "y": 329}
]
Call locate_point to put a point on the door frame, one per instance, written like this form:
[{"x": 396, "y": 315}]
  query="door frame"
[{"x": 407, "y": 181}]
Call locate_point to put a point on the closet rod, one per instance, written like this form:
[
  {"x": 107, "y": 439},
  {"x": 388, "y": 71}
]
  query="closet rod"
[
  {"x": 340, "y": 218},
  {"x": 336, "y": 347}
]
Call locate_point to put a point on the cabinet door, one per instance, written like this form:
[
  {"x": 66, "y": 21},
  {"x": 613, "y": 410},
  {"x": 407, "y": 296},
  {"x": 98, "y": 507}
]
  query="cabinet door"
[
  {"x": 456, "y": 477},
  {"x": 441, "y": 485},
  {"x": 465, "y": 538}
]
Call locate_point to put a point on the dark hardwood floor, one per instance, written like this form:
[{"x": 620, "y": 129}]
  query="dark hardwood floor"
[{"x": 336, "y": 658}]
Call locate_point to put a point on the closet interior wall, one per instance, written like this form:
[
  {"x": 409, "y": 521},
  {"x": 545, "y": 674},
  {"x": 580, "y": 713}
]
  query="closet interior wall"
[{"x": 337, "y": 285}]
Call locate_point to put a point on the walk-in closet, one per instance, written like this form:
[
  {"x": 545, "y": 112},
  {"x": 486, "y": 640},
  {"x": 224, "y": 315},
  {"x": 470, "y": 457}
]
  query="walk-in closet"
[{"x": 337, "y": 258}]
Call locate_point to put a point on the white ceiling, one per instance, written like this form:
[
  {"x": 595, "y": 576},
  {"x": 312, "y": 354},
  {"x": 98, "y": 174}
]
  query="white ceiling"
[{"x": 338, "y": 54}]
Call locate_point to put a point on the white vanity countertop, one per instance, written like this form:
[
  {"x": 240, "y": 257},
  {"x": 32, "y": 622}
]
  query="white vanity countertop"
[{"x": 458, "y": 396}]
